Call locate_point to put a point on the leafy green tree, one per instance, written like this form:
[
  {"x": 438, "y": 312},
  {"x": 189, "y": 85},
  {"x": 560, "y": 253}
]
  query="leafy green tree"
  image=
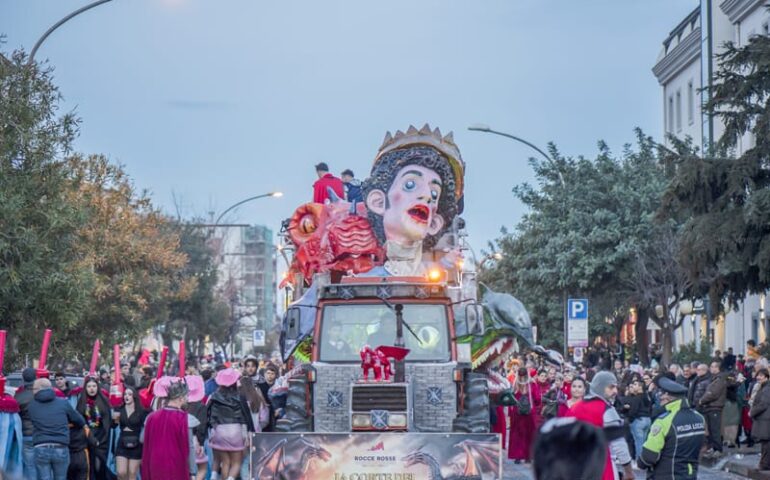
[
  {"x": 43, "y": 280},
  {"x": 80, "y": 251},
  {"x": 723, "y": 200},
  {"x": 132, "y": 251},
  {"x": 584, "y": 238},
  {"x": 202, "y": 316}
]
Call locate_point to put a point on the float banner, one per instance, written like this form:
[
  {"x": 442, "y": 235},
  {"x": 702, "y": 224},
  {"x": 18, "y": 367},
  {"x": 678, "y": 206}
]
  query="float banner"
[{"x": 375, "y": 456}]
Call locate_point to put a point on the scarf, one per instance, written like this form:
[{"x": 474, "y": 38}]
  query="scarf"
[{"x": 93, "y": 415}]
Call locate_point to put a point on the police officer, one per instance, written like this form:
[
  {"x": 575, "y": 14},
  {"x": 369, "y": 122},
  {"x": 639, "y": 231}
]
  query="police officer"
[{"x": 676, "y": 435}]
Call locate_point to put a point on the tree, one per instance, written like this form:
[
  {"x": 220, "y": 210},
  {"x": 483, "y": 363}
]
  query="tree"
[
  {"x": 582, "y": 237},
  {"x": 132, "y": 251},
  {"x": 80, "y": 251},
  {"x": 203, "y": 315},
  {"x": 724, "y": 201},
  {"x": 43, "y": 280},
  {"x": 659, "y": 282}
]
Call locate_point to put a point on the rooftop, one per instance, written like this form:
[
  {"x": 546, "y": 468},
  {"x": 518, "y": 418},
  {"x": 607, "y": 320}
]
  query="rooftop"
[{"x": 686, "y": 25}]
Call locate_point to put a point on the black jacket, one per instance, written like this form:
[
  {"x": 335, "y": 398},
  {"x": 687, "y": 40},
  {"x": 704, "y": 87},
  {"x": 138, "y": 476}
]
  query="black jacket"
[
  {"x": 99, "y": 436},
  {"x": 78, "y": 439},
  {"x": 52, "y": 417},
  {"x": 640, "y": 406},
  {"x": 728, "y": 363},
  {"x": 226, "y": 407},
  {"x": 353, "y": 191},
  {"x": 698, "y": 388},
  {"x": 715, "y": 396},
  {"x": 24, "y": 397},
  {"x": 199, "y": 411},
  {"x": 672, "y": 447}
]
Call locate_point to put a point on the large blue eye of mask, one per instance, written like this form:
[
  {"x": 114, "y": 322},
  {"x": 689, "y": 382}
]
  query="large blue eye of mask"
[
  {"x": 410, "y": 185},
  {"x": 434, "y": 194}
]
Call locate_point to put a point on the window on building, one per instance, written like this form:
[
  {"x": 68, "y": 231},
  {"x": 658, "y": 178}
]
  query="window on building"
[
  {"x": 670, "y": 122},
  {"x": 755, "y": 326},
  {"x": 678, "y": 111},
  {"x": 690, "y": 103}
]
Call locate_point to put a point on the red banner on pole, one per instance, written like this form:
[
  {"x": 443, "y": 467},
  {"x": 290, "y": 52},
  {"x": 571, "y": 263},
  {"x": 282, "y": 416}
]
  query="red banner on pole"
[
  {"x": 116, "y": 390},
  {"x": 2, "y": 351},
  {"x": 94, "y": 359},
  {"x": 42, "y": 371},
  {"x": 162, "y": 364},
  {"x": 182, "y": 363}
]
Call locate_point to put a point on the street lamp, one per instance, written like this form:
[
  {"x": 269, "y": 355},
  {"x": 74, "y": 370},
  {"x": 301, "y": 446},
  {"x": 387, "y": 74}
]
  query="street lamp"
[
  {"x": 231, "y": 207},
  {"x": 234, "y": 297},
  {"x": 59, "y": 24},
  {"x": 479, "y": 127}
]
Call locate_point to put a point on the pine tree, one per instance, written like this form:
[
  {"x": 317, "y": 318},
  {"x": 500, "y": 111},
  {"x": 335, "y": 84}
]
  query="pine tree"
[{"x": 724, "y": 200}]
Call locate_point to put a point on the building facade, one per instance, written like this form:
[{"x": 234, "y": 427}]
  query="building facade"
[
  {"x": 685, "y": 66},
  {"x": 247, "y": 280}
]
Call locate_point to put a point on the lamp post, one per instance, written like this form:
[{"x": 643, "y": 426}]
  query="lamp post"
[
  {"x": 235, "y": 320},
  {"x": 59, "y": 24},
  {"x": 487, "y": 129},
  {"x": 236, "y": 205}
]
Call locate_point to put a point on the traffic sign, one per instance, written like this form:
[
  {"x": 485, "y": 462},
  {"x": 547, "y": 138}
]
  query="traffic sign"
[
  {"x": 259, "y": 338},
  {"x": 577, "y": 308},
  {"x": 577, "y": 322}
]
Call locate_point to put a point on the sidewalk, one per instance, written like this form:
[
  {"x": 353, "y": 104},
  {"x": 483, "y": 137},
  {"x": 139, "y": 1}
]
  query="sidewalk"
[{"x": 742, "y": 461}]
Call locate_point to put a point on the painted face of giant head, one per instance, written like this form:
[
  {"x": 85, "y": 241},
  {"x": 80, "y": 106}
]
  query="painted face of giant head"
[
  {"x": 409, "y": 207},
  {"x": 410, "y": 196}
]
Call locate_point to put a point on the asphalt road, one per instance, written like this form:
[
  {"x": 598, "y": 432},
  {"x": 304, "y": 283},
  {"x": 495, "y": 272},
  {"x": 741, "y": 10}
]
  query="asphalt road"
[{"x": 511, "y": 471}]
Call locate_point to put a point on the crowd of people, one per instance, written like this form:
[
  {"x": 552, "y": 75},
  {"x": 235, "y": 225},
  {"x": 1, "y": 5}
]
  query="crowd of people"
[
  {"x": 194, "y": 424},
  {"x": 719, "y": 405}
]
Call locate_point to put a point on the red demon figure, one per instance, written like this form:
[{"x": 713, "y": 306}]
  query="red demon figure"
[{"x": 378, "y": 359}]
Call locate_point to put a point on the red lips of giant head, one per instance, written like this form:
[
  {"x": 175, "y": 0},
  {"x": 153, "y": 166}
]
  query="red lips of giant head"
[{"x": 419, "y": 213}]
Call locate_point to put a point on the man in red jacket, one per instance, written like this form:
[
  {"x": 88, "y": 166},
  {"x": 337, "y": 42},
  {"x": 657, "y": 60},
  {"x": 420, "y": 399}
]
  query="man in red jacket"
[{"x": 326, "y": 180}]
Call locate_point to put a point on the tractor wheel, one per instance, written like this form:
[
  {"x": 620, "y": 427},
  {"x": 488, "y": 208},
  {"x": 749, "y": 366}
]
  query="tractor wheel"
[
  {"x": 475, "y": 415},
  {"x": 297, "y": 417}
]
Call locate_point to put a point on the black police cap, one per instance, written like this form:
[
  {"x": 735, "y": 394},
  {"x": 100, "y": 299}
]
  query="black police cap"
[{"x": 671, "y": 387}]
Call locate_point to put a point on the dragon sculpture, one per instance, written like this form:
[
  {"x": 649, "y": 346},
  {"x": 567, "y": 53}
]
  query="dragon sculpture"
[
  {"x": 273, "y": 465},
  {"x": 480, "y": 458},
  {"x": 506, "y": 322}
]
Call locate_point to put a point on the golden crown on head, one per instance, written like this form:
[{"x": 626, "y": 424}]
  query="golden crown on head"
[{"x": 432, "y": 138}]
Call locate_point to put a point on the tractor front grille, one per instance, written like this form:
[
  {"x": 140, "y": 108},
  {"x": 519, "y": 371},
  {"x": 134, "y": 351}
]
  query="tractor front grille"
[{"x": 391, "y": 397}]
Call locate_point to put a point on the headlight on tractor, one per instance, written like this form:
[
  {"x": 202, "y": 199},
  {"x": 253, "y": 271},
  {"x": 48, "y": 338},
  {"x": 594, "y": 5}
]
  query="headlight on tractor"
[
  {"x": 397, "y": 420},
  {"x": 361, "y": 420}
]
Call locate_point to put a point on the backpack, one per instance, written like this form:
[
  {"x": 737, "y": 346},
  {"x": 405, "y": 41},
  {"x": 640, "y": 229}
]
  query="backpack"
[{"x": 524, "y": 405}]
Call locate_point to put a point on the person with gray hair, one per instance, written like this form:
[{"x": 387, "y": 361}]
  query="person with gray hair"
[
  {"x": 51, "y": 417},
  {"x": 677, "y": 371},
  {"x": 699, "y": 385},
  {"x": 167, "y": 452}
]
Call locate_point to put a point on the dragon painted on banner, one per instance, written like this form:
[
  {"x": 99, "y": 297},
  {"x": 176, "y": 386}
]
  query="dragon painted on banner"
[{"x": 407, "y": 224}]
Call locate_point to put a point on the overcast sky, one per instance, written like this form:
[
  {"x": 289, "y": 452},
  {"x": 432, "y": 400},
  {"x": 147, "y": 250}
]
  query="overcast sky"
[{"x": 215, "y": 101}]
